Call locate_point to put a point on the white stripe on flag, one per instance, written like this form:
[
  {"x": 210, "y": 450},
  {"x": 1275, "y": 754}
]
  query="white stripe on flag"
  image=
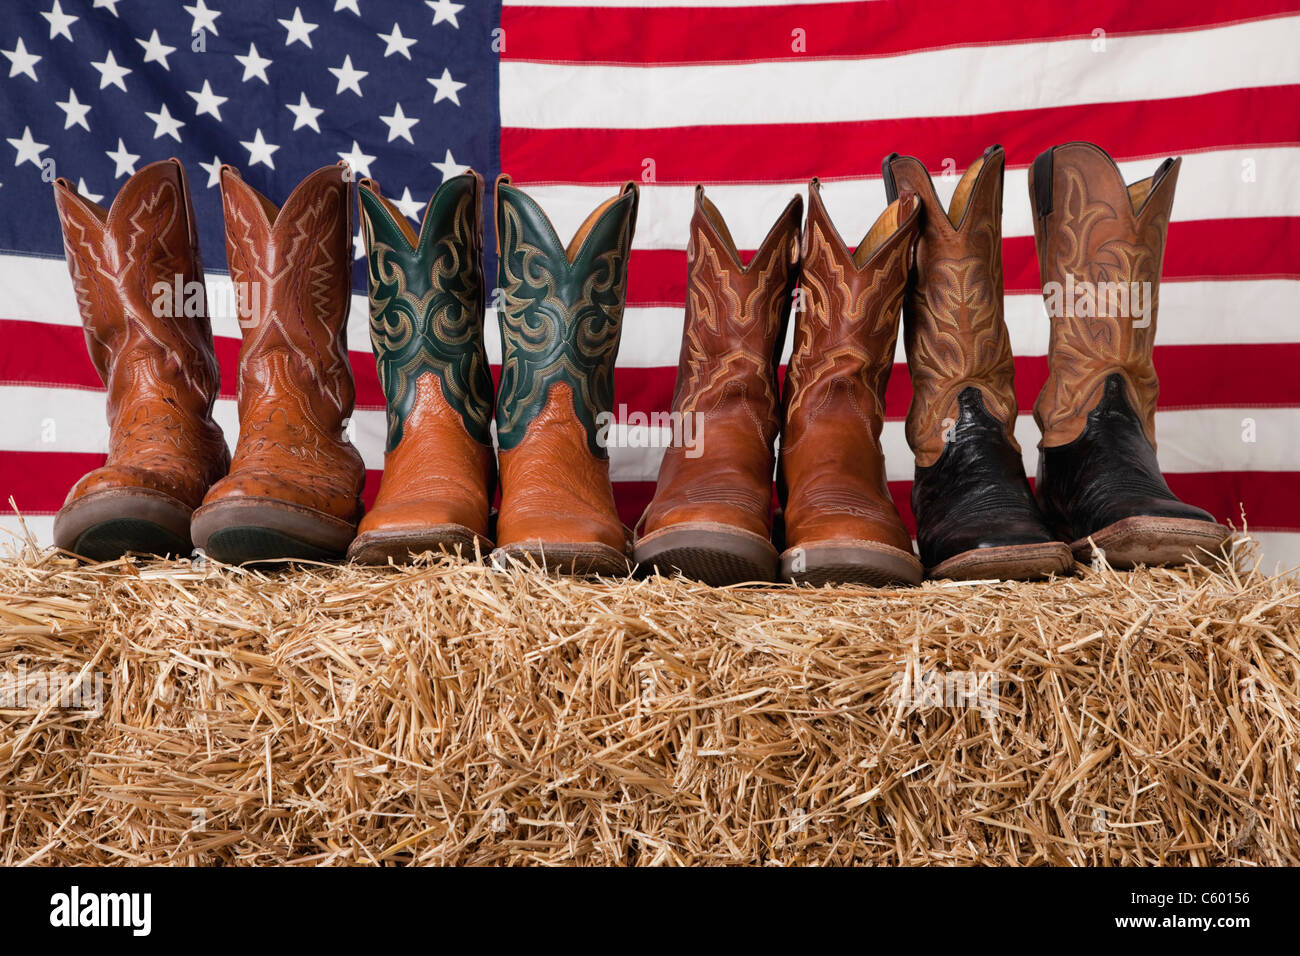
[
  {"x": 1210, "y": 186},
  {"x": 1015, "y": 76}
]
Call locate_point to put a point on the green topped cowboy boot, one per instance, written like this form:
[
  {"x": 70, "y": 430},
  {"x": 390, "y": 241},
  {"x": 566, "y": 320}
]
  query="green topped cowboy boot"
[
  {"x": 426, "y": 326},
  {"x": 561, "y": 313}
]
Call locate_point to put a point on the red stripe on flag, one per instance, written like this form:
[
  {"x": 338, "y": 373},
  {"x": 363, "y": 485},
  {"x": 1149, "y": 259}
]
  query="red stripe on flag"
[
  {"x": 793, "y": 152},
  {"x": 1197, "y": 249},
  {"x": 836, "y": 30}
]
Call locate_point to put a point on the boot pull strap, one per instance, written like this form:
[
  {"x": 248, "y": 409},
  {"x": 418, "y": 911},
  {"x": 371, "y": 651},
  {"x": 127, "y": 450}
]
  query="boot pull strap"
[
  {"x": 1043, "y": 184},
  {"x": 887, "y": 173}
]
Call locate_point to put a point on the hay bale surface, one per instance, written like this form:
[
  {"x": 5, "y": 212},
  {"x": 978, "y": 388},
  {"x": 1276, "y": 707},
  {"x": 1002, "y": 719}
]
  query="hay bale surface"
[{"x": 448, "y": 713}]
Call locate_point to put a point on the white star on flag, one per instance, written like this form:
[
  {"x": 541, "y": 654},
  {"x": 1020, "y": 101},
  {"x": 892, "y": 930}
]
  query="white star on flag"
[
  {"x": 165, "y": 124},
  {"x": 75, "y": 111},
  {"x": 59, "y": 21},
  {"x": 86, "y": 193},
  {"x": 447, "y": 88},
  {"x": 358, "y": 160},
  {"x": 449, "y": 167},
  {"x": 155, "y": 51},
  {"x": 20, "y": 61},
  {"x": 408, "y": 206},
  {"x": 29, "y": 151},
  {"x": 348, "y": 77},
  {"x": 213, "y": 169},
  {"x": 299, "y": 30},
  {"x": 444, "y": 11},
  {"x": 111, "y": 73},
  {"x": 123, "y": 161},
  {"x": 399, "y": 124},
  {"x": 304, "y": 114},
  {"x": 259, "y": 150},
  {"x": 205, "y": 101},
  {"x": 254, "y": 65},
  {"x": 204, "y": 19},
  {"x": 396, "y": 42}
]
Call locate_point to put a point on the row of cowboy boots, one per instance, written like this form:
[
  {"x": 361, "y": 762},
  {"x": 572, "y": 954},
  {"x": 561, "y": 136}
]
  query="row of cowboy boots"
[
  {"x": 1099, "y": 484},
  {"x": 293, "y": 488}
]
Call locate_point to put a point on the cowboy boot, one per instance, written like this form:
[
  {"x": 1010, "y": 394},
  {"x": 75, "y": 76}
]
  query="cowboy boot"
[
  {"x": 975, "y": 513},
  {"x": 426, "y": 326},
  {"x": 561, "y": 313},
  {"x": 711, "y": 517},
  {"x": 1100, "y": 248},
  {"x": 139, "y": 281},
  {"x": 840, "y": 521},
  {"x": 294, "y": 488}
]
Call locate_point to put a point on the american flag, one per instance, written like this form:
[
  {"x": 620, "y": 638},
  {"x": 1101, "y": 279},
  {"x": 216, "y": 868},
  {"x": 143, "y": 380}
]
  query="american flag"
[{"x": 750, "y": 97}]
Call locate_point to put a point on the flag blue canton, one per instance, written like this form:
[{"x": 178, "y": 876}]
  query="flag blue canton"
[{"x": 92, "y": 90}]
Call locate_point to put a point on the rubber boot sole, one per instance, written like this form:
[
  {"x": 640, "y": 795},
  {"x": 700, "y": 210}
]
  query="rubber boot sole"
[
  {"x": 104, "y": 525},
  {"x": 1016, "y": 562},
  {"x": 1152, "y": 541},
  {"x": 851, "y": 562},
  {"x": 714, "y": 554},
  {"x": 239, "y": 530},
  {"x": 379, "y": 547}
]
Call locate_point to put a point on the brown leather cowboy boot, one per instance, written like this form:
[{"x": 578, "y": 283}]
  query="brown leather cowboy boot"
[
  {"x": 294, "y": 488},
  {"x": 840, "y": 521},
  {"x": 975, "y": 513},
  {"x": 139, "y": 281},
  {"x": 426, "y": 326},
  {"x": 561, "y": 313},
  {"x": 711, "y": 517},
  {"x": 1100, "y": 248}
]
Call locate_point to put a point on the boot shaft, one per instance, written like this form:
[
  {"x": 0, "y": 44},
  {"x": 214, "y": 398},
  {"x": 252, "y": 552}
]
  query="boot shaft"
[
  {"x": 847, "y": 326},
  {"x": 736, "y": 317},
  {"x": 1100, "y": 247},
  {"x": 427, "y": 303},
  {"x": 560, "y": 311},
  {"x": 292, "y": 268},
  {"x": 138, "y": 277},
  {"x": 953, "y": 326}
]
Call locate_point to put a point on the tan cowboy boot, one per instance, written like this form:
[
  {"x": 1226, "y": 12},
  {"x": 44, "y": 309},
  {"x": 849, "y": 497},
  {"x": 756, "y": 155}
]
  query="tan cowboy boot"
[
  {"x": 426, "y": 326},
  {"x": 294, "y": 488},
  {"x": 975, "y": 514},
  {"x": 711, "y": 517},
  {"x": 840, "y": 521},
  {"x": 1100, "y": 248},
  {"x": 561, "y": 315},
  {"x": 139, "y": 281}
]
